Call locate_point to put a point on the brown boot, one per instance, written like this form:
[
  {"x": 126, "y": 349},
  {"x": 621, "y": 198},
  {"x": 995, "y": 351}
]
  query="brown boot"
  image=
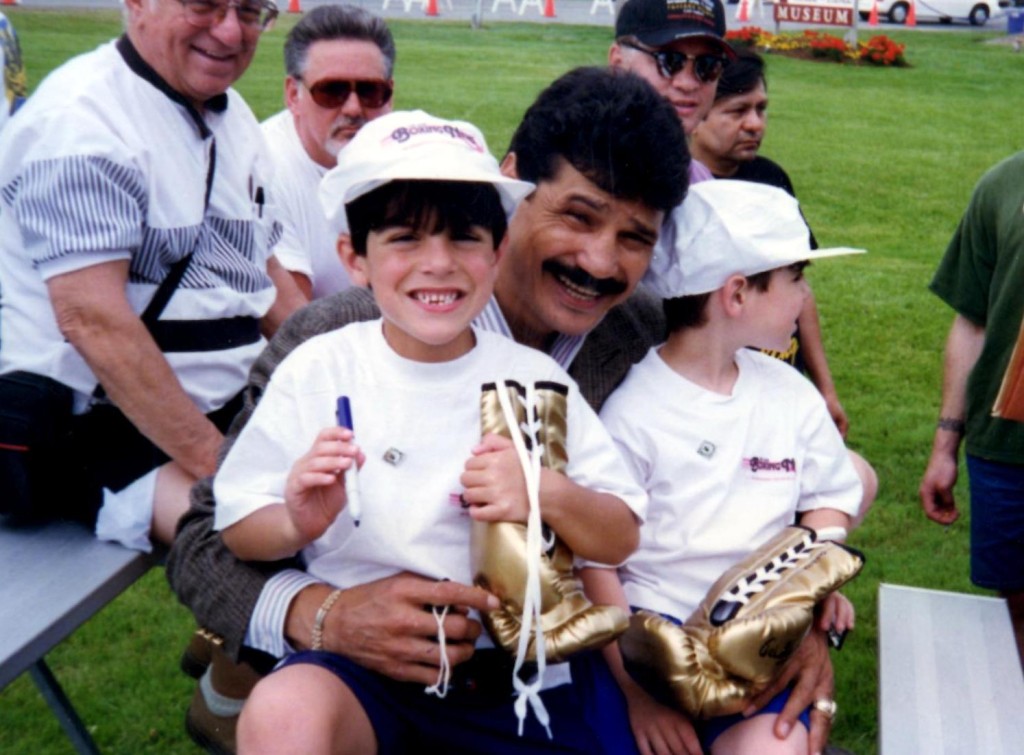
[
  {"x": 196, "y": 656},
  {"x": 213, "y": 714}
]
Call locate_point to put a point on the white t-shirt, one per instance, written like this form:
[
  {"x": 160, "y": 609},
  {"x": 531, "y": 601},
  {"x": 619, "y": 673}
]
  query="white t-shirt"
[
  {"x": 411, "y": 517},
  {"x": 307, "y": 244},
  {"x": 723, "y": 474}
]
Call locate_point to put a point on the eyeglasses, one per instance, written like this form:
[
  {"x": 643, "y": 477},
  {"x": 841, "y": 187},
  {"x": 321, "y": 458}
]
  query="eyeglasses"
[
  {"x": 707, "y": 67},
  {"x": 255, "y": 14},
  {"x": 333, "y": 93}
]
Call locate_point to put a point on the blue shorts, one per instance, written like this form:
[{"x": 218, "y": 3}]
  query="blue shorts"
[
  {"x": 588, "y": 716},
  {"x": 997, "y": 524},
  {"x": 709, "y": 730}
]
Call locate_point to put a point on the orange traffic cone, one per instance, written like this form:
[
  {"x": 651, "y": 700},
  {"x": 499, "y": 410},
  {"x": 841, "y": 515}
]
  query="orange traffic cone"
[
  {"x": 431, "y": 8},
  {"x": 873, "y": 16},
  {"x": 743, "y": 12},
  {"x": 293, "y": 6},
  {"x": 912, "y": 14},
  {"x": 549, "y": 9}
]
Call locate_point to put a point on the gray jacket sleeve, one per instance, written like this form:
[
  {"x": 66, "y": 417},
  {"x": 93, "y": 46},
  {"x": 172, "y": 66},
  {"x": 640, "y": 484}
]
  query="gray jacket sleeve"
[{"x": 220, "y": 590}]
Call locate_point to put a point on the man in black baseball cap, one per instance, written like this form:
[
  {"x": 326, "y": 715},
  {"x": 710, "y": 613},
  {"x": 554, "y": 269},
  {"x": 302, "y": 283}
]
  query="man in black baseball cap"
[{"x": 679, "y": 47}]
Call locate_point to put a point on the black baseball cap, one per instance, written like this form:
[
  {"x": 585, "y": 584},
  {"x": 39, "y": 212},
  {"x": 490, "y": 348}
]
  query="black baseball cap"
[{"x": 656, "y": 23}]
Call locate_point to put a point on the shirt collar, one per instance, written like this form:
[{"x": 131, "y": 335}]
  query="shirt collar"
[
  {"x": 142, "y": 69},
  {"x": 563, "y": 349}
]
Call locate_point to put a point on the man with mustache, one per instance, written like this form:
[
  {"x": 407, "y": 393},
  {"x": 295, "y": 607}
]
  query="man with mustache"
[
  {"x": 339, "y": 61},
  {"x": 576, "y": 249}
]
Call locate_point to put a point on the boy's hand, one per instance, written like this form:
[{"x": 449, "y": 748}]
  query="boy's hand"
[
  {"x": 658, "y": 729},
  {"x": 837, "y": 613},
  {"x": 495, "y": 488},
  {"x": 314, "y": 494}
]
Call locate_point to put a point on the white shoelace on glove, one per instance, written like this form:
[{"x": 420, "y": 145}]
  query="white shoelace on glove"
[
  {"x": 529, "y": 460},
  {"x": 444, "y": 673}
]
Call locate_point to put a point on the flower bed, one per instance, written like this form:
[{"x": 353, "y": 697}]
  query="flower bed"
[{"x": 815, "y": 45}]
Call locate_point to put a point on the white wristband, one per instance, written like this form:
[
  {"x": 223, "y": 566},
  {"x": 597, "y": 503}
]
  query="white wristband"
[{"x": 832, "y": 533}]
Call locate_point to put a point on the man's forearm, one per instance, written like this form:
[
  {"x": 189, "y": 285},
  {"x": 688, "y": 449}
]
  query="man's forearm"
[
  {"x": 94, "y": 315},
  {"x": 963, "y": 347}
]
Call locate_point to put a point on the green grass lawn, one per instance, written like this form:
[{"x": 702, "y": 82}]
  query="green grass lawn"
[{"x": 883, "y": 159}]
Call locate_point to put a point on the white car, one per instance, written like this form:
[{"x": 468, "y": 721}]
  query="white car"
[{"x": 977, "y": 12}]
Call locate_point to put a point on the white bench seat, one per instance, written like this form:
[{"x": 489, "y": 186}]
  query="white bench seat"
[
  {"x": 54, "y": 578},
  {"x": 949, "y": 678}
]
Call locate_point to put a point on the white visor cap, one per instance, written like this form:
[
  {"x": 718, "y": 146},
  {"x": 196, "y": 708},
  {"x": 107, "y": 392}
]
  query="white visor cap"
[
  {"x": 724, "y": 228},
  {"x": 413, "y": 145}
]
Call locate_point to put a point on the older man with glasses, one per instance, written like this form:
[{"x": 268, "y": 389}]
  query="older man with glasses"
[
  {"x": 134, "y": 269},
  {"x": 339, "y": 61},
  {"x": 679, "y": 48}
]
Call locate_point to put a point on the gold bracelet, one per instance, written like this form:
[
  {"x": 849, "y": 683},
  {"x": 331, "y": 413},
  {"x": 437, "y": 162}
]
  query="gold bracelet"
[{"x": 321, "y": 617}]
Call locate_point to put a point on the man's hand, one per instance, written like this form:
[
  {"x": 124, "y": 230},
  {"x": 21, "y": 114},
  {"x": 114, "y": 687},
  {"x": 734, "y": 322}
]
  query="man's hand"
[
  {"x": 810, "y": 672},
  {"x": 936, "y": 489},
  {"x": 387, "y": 626}
]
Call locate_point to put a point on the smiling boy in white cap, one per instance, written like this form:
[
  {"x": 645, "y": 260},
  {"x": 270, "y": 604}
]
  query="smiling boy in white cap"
[
  {"x": 421, "y": 208},
  {"x": 731, "y": 445}
]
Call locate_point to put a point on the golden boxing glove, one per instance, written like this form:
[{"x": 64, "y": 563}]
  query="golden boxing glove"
[
  {"x": 569, "y": 621},
  {"x": 748, "y": 625}
]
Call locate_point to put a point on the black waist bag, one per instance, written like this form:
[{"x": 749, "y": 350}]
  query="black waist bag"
[
  {"x": 55, "y": 465},
  {"x": 35, "y": 417}
]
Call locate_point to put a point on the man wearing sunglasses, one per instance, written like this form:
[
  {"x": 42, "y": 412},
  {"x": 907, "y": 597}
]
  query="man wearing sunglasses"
[
  {"x": 339, "y": 61},
  {"x": 679, "y": 48}
]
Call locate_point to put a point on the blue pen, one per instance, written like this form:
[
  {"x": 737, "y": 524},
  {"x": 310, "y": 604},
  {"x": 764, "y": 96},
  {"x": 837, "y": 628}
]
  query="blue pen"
[{"x": 344, "y": 415}]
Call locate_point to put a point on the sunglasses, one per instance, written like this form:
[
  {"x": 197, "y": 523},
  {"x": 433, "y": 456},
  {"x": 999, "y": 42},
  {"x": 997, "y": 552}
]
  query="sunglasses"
[
  {"x": 707, "y": 67},
  {"x": 332, "y": 93}
]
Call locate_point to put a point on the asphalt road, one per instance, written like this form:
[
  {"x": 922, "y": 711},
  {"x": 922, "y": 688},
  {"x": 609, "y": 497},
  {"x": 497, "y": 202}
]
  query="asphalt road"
[{"x": 585, "y": 12}]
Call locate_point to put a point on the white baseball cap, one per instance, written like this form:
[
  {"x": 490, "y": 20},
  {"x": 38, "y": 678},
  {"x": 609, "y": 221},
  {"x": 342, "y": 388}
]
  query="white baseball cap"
[
  {"x": 412, "y": 144},
  {"x": 726, "y": 228}
]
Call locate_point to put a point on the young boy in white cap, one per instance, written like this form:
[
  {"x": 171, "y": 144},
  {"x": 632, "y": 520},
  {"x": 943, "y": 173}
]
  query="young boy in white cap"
[
  {"x": 421, "y": 210},
  {"x": 731, "y": 445}
]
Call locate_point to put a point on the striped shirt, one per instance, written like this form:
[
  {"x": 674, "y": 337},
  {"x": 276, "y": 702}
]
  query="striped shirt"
[{"x": 108, "y": 163}]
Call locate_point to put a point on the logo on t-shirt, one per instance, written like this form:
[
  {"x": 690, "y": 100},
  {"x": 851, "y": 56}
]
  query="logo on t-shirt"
[{"x": 763, "y": 468}]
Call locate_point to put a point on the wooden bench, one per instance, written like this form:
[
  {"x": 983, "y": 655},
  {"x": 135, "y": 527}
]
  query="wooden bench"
[
  {"x": 54, "y": 578},
  {"x": 949, "y": 678}
]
